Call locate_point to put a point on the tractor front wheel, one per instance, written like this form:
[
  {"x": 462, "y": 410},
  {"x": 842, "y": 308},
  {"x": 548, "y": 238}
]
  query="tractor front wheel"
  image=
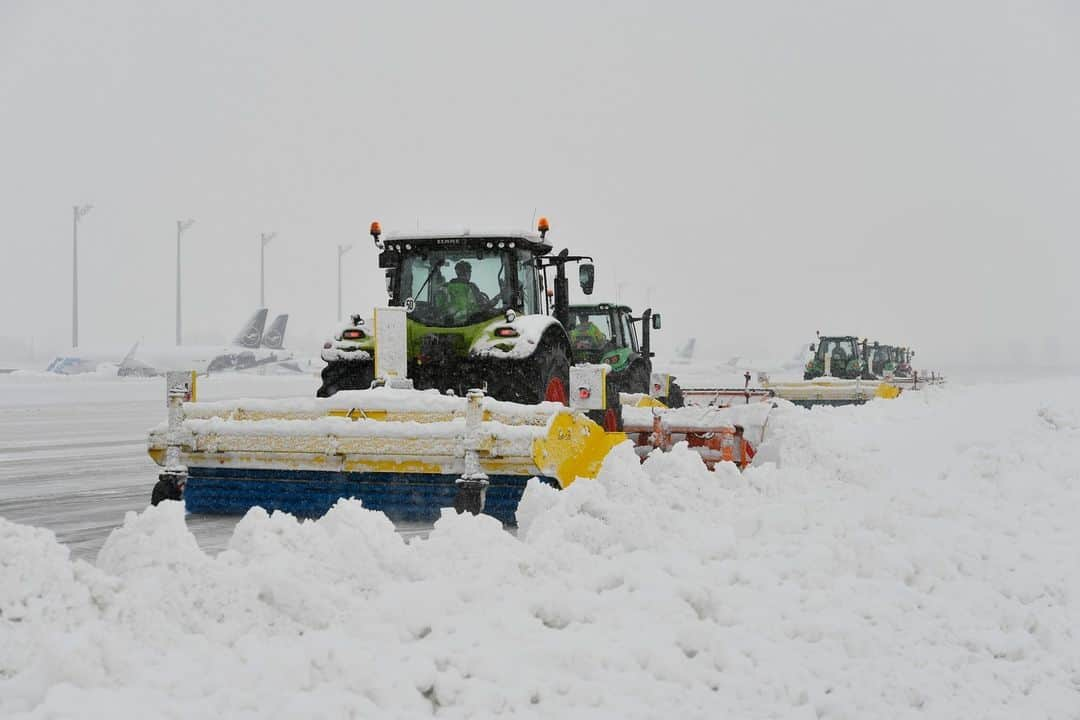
[
  {"x": 551, "y": 373},
  {"x": 165, "y": 489},
  {"x": 337, "y": 376}
]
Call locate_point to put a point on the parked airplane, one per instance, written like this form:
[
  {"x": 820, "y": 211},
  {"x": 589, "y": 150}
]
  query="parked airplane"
[
  {"x": 250, "y": 348},
  {"x": 685, "y": 353}
]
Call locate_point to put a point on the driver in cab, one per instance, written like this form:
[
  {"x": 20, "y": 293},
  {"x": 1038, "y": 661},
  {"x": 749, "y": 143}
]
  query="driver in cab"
[
  {"x": 465, "y": 297},
  {"x": 585, "y": 334}
]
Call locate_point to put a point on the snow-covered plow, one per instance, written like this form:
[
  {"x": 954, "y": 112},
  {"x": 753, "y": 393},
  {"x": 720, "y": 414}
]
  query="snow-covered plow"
[
  {"x": 407, "y": 453},
  {"x": 832, "y": 391},
  {"x": 411, "y": 453}
]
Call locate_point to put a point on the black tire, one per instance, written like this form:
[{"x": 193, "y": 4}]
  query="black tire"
[
  {"x": 164, "y": 489},
  {"x": 637, "y": 379},
  {"x": 341, "y": 375},
  {"x": 674, "y": 397},
  {"x": 549, "y": 363}
]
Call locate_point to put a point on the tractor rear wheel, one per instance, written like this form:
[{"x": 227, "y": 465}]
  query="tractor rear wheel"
[{"x": 637, "y": 379}]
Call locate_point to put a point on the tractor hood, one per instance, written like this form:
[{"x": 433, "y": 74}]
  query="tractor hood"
[
  {"x": 492, "y": 338},
  {"x": 496, "y": 341}
]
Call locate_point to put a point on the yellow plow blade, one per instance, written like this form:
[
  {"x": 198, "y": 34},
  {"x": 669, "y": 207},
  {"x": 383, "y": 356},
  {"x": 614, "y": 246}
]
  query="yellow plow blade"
[{"x": 574, "y": 447}]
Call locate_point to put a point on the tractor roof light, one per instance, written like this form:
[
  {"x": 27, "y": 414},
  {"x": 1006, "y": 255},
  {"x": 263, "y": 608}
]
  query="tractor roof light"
[
  {"x": 542, "y": 226},
  {"x": 376, "y": 231}
]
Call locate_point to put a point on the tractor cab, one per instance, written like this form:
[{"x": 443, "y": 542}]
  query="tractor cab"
[
  {"x": 839, "y": 356},
  {"x": 457, "y": 281}
]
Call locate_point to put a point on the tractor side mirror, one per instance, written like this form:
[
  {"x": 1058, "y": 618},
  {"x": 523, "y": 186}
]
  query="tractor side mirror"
[
  {"x": 812, "y": 348},
  {"x": 587, "y": 276},
  {"x": 656, "y": 321}
]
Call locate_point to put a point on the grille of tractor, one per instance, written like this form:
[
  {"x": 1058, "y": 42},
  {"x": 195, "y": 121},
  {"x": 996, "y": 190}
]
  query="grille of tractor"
[{"x": 441, "y": 348}]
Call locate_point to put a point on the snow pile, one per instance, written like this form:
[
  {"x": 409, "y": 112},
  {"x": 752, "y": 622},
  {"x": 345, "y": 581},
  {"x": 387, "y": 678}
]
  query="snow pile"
[{"x": 915, "y": 557}]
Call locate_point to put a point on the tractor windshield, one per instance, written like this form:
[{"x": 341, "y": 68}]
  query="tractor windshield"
[
  {"x": 590, "y": 330},
  {"x": 839, "y": 350},
  {"x": 459, "y": 286}
]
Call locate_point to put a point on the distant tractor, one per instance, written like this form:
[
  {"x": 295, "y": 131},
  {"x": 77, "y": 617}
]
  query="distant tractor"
[
  {"x": 881, "y": 360},
  {"x": 838, "y": 356},
  {"x": 902, "y": 359},
  {"x": 892, "y": 360},
  {"x": 607, "y": 333}
]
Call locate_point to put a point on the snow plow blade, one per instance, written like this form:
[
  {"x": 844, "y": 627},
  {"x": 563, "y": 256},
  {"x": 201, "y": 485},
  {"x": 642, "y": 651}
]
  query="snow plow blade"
[{"x": 398, "y": 451}]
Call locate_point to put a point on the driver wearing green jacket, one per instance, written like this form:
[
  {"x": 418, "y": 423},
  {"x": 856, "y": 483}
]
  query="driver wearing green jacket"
[
  {"x": 585, "y": 334},
  {"x": 465, "y": 297}
]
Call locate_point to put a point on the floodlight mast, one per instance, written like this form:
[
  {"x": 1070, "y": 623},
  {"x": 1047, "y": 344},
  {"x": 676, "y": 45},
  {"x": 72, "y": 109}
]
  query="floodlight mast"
[
  {"x": 181, "y": 226},
  {"x": 78, "y": 212},
  {"x": 265, "y": 238}
]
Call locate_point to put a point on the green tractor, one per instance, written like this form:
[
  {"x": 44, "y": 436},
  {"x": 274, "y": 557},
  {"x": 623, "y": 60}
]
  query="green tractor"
[
  {"x": 881, "y": 360},
  {"x": 482, "y": 312},
  {"x": 607, "y": 333},
  {"x": 838, "y": 356},
  {"x": 889, "y": 359},
  {"x": 902, "y": 359}
]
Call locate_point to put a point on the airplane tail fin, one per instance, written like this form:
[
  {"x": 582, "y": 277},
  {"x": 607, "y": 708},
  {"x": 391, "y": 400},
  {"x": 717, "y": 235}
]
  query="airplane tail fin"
[
  {"x": 274, "y": 337},
  {"x": 251, "y": 334},
  {"x": 130, "y": 357},
  {"x": 686, "y": 352}
]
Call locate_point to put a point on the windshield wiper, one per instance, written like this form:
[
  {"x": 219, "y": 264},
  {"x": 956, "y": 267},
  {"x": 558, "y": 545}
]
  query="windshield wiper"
[{"x": 431, "y": 273}]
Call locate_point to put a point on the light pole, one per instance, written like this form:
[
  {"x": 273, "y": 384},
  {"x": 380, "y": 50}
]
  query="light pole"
[
  {"x": 181, "y": 226},
  {"x": 77, "y": 213},
  {"x": 266, "y": 238},
  {"x": 341, "y": 250}
]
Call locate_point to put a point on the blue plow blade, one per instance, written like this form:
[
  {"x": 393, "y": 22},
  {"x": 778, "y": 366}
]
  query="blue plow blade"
[{"x": 404, "y": 497}]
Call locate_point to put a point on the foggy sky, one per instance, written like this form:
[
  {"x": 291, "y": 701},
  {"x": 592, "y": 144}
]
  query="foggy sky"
[{"x": 757, "y": 171}]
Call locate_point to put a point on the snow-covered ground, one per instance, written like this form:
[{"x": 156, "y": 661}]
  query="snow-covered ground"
[{"x": 909, "y": 558}]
